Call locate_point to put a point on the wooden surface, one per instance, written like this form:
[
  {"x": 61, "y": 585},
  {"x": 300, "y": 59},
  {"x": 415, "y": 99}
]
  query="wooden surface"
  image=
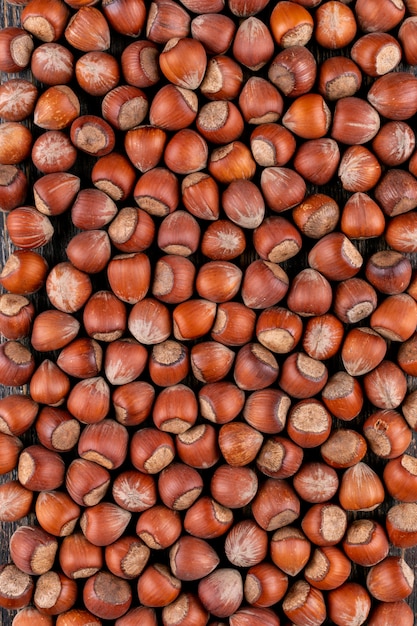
[{"x": 10, "y": 16}]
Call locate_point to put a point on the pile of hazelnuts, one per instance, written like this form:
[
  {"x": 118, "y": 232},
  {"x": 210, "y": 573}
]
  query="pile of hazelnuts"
[{"x": 208, "y": 312}]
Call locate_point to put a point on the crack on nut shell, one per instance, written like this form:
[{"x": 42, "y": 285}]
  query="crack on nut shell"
[
  {"x": 48, "y": 589},
  {"x": 387, "y": 58}
]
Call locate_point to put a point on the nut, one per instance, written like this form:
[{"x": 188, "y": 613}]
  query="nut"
[{"x": 87, "y": 30}]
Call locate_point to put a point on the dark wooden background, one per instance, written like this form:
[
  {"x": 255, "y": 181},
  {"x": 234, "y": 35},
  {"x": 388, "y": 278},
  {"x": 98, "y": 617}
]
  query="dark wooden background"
[{"x": 9, "y": 15}]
